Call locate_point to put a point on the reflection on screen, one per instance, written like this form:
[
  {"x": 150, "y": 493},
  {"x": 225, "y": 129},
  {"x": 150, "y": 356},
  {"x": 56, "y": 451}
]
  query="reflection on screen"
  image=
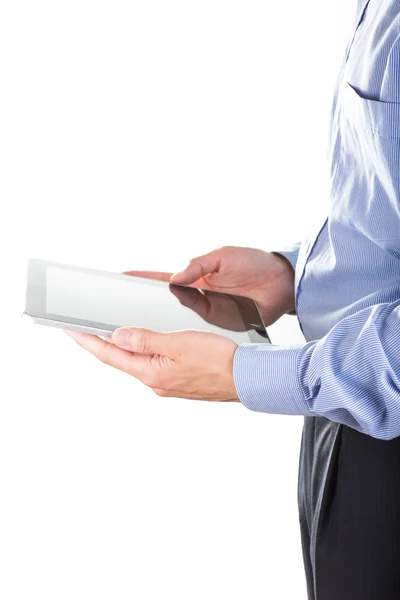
[{"x": 118, "y": 302}]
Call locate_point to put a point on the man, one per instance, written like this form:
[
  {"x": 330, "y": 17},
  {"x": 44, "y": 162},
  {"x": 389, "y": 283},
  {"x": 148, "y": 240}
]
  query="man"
[{"x": 343, "y": 282}]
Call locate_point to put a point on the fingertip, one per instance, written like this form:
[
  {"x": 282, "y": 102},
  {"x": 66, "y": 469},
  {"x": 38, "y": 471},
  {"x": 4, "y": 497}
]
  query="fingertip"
[
  {"x": 185, "y": 275},
  {"x": 120, "y": 337},
  {"x": 176, "y": 276}
]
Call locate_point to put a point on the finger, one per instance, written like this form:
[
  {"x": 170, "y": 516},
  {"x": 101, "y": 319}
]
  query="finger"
[
  {"x": 140, "y": 366},
  {"x": 146, "y": 341},
  {"x": 106, "y": 352},
  {"x": 160, "y": 275},
  {"x": 198, "y": 267}
]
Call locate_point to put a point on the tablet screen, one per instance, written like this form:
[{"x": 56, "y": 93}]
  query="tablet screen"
[{"x": 111, "y": 300}]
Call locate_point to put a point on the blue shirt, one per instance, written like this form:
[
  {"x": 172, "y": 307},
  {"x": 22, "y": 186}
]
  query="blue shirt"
[{"x": 347, "y": 272}]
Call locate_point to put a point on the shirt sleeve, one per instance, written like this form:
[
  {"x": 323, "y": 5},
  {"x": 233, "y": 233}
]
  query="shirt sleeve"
[
  {"x": 351, "y": 375},
  {"x": 290, "y": 252}
]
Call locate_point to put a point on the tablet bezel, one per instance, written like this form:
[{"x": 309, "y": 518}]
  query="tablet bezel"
[{"x": 36, "y": 300}]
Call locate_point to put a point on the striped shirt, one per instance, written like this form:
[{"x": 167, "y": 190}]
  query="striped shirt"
[{"x": 347, "y": 273}]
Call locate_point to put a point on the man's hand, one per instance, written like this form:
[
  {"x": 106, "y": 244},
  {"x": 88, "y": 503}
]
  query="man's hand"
[
  {"x": 266, "y": 277},
  {"x": 183, "y": 364}
]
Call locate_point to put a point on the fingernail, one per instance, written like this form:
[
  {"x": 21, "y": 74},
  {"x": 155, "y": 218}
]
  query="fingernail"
[{"x": 121, "y": 336}]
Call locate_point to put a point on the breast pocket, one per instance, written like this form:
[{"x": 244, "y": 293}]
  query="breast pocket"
[{"x": 366, "y": 187}]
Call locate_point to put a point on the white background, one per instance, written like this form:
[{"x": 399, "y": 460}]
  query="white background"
[{"x": 136, "y": 135}]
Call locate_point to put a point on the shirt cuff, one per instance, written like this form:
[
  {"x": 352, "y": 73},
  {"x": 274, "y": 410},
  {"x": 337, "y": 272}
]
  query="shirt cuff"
[
  {"x": 266, "y": 379},
  {"x": 290, "y": 252}
]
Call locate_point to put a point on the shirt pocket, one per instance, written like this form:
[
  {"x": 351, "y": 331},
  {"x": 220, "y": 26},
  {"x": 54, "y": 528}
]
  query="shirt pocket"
[{"x": 366, "y": 188}]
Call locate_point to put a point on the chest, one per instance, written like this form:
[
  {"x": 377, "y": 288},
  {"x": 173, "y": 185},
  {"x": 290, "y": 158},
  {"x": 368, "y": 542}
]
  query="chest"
[
  {"x": 365, "y": 140},
  {"x": 372, "y": 63},
  {"x": 364, "y": 156}
]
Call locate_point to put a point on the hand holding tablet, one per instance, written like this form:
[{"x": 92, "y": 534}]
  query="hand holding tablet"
[
  {"x": 98, "y": 302},
  {"x": 178, "y": 338}
]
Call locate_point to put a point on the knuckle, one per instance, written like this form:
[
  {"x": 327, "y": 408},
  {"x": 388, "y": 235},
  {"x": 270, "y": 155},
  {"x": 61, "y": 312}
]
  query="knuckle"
[{"x": 143, "y": 342}]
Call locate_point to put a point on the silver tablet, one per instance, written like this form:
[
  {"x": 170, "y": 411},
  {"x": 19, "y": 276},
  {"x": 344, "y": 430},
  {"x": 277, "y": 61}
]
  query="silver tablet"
[{"x": 99, "y": 302}]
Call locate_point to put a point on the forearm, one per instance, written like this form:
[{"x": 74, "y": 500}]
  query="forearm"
[{"x": 351, "y": 375}]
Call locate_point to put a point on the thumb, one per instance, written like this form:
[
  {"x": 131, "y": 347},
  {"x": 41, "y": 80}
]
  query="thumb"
[
  {"x": 145, "y": 341},
  {"x": 197, "y": 268}
]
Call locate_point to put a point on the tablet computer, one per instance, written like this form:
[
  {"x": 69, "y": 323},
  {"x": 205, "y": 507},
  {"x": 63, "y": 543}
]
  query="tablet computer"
[{"x": 98, "y": 302}]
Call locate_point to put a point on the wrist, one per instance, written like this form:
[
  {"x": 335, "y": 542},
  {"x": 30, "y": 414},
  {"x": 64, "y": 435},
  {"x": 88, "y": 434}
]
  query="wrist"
[
  {"x": 286, "y": 262},
  {"x": 286, "y": 275}
]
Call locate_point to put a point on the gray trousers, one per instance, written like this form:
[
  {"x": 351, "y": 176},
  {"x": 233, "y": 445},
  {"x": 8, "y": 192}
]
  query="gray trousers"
[{"x": 349, "y": 508}]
